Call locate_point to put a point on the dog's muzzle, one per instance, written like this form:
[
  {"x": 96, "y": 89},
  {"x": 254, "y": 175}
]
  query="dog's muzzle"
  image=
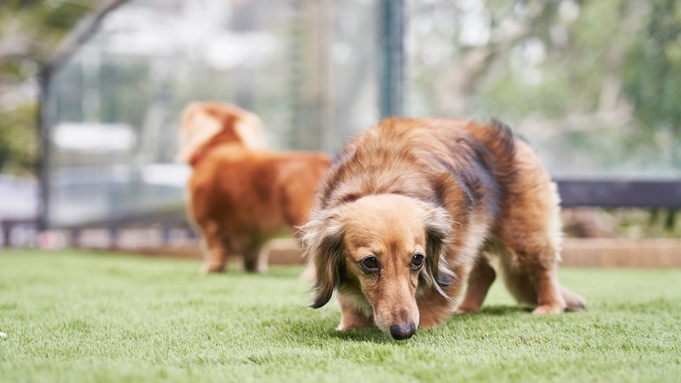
[{"x": 402, "y": 332}]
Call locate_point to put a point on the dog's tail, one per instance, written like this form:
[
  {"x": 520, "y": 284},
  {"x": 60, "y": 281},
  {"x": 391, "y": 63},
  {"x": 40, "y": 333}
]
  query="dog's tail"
[{"x": 203, "y": 121}]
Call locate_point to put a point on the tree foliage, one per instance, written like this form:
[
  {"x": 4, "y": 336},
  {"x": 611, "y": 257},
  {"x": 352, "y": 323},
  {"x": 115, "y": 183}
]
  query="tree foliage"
[
  {"x": 652, "y": 70},
  {"x": 29, "y": 32},
  {"x": 594, "y": 84}
]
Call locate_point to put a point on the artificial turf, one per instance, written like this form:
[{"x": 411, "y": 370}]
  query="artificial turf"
[{"x": 83, "y": 317}]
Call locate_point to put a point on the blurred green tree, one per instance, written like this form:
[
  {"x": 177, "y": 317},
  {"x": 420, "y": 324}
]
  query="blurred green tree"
[
  {"x": 596, "y": 85},
  {"x": 32, "y": 35},
  {"x": 652, "y": 71}
]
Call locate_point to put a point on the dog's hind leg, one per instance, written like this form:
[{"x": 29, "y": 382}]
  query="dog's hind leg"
[
  {"x": 214, "y": 251},
  {"x": 518, "y": 283},
  {"x": 535, "y": 286},
  {"x": 532, "y": 279},
  {"x": 255, "y": 259},
  {"x": 573, "y": 301},
  {"x": 529, "y": 265},
  {"x": 479, "y": 281},
  {"x": 530, "y": 229}
]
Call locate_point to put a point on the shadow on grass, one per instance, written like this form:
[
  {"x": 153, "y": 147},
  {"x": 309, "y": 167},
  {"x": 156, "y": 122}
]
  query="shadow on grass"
[
  {"x": 278, "y": 272},
  {"x": 503, "y": 310},
  {"x": 311, "y": 329},
  {"x": 373, "y": 335}
]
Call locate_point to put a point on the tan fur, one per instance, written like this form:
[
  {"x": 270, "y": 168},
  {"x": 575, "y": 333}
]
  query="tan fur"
[
  {"x": 241, "y": 195},
  {"x": 451, "y": 190}
]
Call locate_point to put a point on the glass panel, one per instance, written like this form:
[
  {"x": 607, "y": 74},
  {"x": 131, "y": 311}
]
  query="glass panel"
[{"x": 307, "y": 68}]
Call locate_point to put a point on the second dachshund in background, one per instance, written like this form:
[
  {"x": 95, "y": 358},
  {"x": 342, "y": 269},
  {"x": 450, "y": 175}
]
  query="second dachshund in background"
[{"x": 240, "y": 194}]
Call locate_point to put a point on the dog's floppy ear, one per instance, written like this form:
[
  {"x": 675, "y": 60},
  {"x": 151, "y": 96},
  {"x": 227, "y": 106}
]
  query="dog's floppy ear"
[
  {"x": 202, "y": 121},
  {"x": 198, "y": 127},
  {"x": 249, "y": 129},
  {"x": 323, "y": 243},
  {"x": 438, "y": 228}
]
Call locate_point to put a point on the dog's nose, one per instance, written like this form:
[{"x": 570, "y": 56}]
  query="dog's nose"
[{"x": 402, "y": 332}]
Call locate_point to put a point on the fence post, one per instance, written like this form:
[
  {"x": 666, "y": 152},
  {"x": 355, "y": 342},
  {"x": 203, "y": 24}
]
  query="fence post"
[
  {"x": 391, "y": 72},
  {"x": 43, "y": 160}
]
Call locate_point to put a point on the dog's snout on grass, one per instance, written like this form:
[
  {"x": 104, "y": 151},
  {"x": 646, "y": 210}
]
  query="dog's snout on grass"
[{"x": 402, "y": 332}]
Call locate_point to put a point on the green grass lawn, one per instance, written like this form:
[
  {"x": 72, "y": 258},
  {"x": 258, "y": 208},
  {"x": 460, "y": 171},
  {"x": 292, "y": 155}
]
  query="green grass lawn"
[{"x": 82, "y": 317}]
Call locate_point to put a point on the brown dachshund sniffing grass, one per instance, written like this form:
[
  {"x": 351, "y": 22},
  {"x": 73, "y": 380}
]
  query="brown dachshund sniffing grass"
[
  {"x": 241, "y": 194},
  {"x": 412, "y": 211}
]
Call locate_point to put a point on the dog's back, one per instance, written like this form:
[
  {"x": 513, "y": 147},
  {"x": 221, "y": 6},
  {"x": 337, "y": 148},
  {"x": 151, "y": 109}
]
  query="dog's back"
[
  {"x": 256, "y": 192},
  {"x": 400, "y": 156}
]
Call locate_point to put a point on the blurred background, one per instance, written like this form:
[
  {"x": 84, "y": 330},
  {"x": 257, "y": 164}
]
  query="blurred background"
[{"x": 91, "y": 93}]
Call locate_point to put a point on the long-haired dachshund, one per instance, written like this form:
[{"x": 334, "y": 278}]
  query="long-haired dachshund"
[
  {"x": 241, "y": 195},
  {"x": 411, "y": 212}
]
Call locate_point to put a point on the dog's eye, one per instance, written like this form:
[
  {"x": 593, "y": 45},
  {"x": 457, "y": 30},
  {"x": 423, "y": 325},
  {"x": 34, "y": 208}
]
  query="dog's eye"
[
  {"x": 417, "y": 261},
  {"x": 369, "y": 263}
]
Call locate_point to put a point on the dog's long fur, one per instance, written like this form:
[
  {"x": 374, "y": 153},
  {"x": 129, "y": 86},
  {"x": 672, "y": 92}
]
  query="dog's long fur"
[
  {"x": 457, "y": 192},
  {"x": 241, "y": 195}
]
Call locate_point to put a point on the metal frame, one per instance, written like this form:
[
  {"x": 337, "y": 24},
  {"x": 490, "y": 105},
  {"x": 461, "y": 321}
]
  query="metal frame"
[
  {"x": 82, "y": 32},
  {"x": 43, "y": 160}
]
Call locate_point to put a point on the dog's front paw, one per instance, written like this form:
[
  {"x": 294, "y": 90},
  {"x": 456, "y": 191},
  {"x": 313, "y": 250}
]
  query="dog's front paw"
[
  {"x": 548, "y": 309},
  {"x": 357, "y": 323},
  {"x": 466, "y": 310},
  {"x": 431, "y": 322},
  {"x": 354, "y": 321}
]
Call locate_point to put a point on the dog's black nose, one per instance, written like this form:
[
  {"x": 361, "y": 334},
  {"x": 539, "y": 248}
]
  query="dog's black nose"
[{"x": 402, "y": 332}]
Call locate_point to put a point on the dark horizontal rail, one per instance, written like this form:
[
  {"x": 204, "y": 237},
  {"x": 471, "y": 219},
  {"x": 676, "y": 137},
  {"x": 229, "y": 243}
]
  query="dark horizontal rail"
[
  {"x": 650, "y": 194},
  {"x": 573, "y": 193}
]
